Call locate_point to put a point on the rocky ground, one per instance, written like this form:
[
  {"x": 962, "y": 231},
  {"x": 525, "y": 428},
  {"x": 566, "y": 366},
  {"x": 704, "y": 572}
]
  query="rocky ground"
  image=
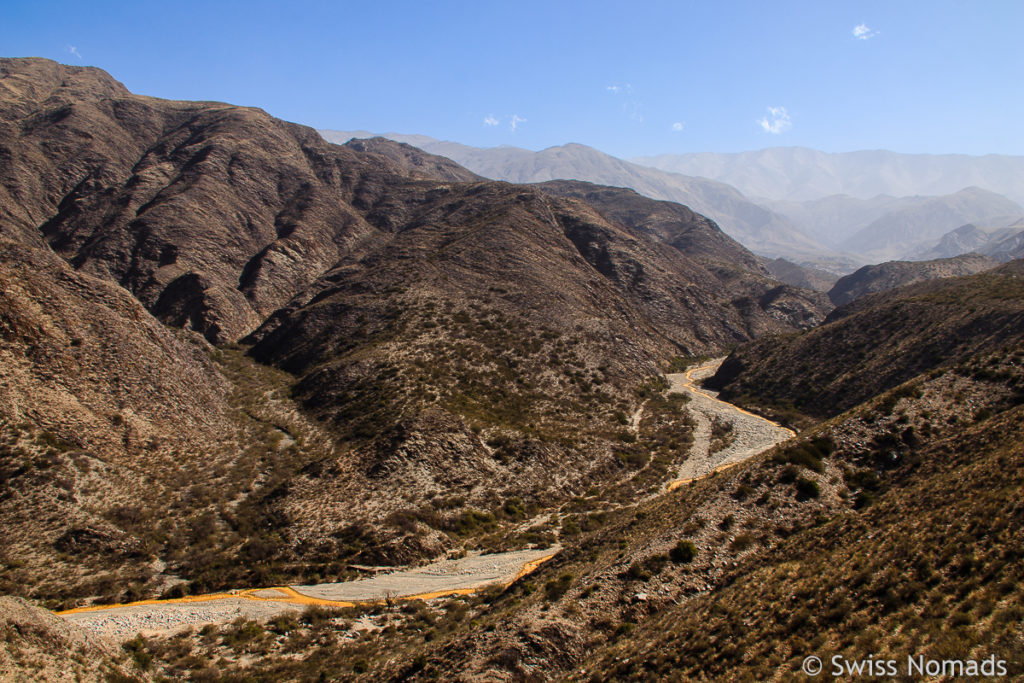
[
  {"x": 749, "y": 434},
  {"x": 438, "y": 579},
  {"x": 739, "y": 436}
]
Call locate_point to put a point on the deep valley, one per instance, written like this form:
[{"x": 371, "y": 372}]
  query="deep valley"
[{"x": 273, "y": 408}]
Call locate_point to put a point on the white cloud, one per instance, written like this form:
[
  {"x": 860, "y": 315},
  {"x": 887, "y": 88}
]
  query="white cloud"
[
  {"x": 631, "y": 106},
  {"x": 489, "y": 120},
  {"x": 515, "y": 121},
  {"x": 863, "y": 32},
  {"x": 678, "y": 126},
  {"x": 74, "y": 50},
  {"x": 777, "y": 120}
]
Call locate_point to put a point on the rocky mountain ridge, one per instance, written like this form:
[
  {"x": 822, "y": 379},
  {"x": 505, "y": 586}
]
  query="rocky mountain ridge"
[
  {"x": 893, "y": 274},
  {"x": 420, "y": 347},
  {"x": 754, "y": 226},
  {"x": 928, "y": 325},
  {"x": 837, "y": 232}
]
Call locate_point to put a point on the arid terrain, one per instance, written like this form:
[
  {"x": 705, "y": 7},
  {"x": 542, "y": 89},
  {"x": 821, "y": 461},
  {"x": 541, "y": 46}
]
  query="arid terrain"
[
  {"x": 744, "y": 436},
  {"x": 273, "y": 408}
]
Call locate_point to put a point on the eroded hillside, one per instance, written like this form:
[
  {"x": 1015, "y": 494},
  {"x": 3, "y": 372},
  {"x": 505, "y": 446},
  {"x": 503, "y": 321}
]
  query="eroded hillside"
[
  {"x": 427, "y": 357},
  {"x": 877, "y": 342}
]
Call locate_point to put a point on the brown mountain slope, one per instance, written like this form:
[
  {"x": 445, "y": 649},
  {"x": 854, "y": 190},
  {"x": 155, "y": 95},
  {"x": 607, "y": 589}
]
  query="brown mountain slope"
[
  {"x": 498, "y": 336},
  {"x": 414, "y": 160},
  {"x": 700, "y": 238},
  {"x": 40, "y": 646},
  {"x": 123, "y": 442},
  {"x": 891, "y": 530},
  {"x": 877, "y": 342},
  {"x": 925, "y": 565},
  {"x": 212, "y": 215},
  {"x": 893, "y": 274},
  {"x": 466, "y": 346}
]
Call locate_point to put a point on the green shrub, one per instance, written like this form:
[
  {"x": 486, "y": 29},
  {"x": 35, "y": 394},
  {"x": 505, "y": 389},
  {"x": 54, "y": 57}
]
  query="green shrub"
[
  {"x": 742, "y": 542},
  {"x": 742, "y": 492},
  {"x": 556, "y": 588},
  {"x": 638, "y": 572},
  {"x": 807, "y": 489},
  {"x": 684, "y": 552}
]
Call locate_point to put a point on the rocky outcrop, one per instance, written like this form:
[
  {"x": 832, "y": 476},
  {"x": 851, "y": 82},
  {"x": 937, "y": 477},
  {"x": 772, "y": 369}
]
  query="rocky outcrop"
[{"x": 893, "y": 274}]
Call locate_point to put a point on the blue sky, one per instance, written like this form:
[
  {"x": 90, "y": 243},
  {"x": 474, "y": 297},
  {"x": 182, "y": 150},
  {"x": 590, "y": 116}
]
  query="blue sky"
[{"x": 628, "y": 78}]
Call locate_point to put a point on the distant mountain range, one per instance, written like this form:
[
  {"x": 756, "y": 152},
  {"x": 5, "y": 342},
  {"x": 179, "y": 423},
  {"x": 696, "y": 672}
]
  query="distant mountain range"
[
  {"x": 797, "y": 215},
  {"x": 900, "y": 233},
  {"x": 887, "y": 227},
  {"x": 801, "y": 174},
  {"x": 1003, "y": 244},
  {"x": 755, "y": 226}
]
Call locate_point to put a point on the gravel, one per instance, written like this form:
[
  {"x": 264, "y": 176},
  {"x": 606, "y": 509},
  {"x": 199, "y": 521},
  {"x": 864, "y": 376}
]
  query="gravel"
[
  {"x": 752, "y": 434},
  {"x": 471, "y": 572}
]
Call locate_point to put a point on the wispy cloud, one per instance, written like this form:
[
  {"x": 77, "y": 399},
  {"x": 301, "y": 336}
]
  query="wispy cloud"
[
  {"x": 514, "y": 122},
  {"x": 74, "y": 50},
  {"x": 678, "y": 126},
  {"x": 489, "y": 120},
  {"x": 630, "y": 104},
  {"x": 776, "y": 121},
  {"x": 863, "y": 32}
]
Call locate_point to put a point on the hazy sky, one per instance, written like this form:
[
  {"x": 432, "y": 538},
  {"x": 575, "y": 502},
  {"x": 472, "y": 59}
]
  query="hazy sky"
[{"x": 627, "y": 78}]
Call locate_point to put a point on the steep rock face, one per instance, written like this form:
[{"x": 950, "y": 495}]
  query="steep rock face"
[
  {"x": 850, "y": 358},
  {"x": 893, "y": 274},
  {"x": 212, "y": 215}
]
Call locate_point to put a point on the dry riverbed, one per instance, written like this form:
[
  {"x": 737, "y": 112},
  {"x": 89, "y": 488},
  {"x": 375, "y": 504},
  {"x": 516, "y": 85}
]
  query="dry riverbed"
[
  {"x": 447, "y": 577},
  {"x": 749, "y": 435}
]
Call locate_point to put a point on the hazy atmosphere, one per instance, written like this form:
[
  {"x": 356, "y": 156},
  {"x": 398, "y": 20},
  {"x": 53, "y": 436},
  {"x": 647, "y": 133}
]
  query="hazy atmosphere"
[
  {"x": 629, "y": 79},
  {"x": 527, "y": 341}
]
